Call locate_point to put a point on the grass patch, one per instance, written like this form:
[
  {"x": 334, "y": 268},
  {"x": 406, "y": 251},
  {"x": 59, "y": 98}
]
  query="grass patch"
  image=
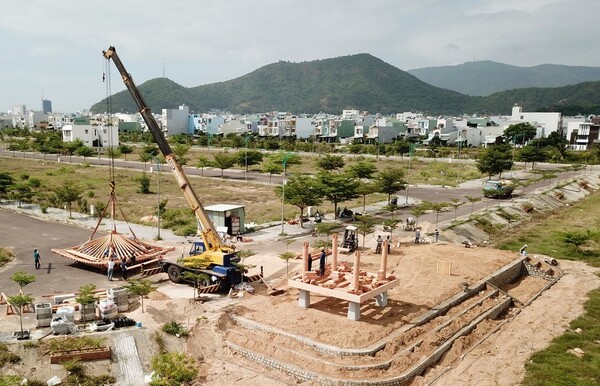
[
  {"x": 58, "y": 345},
  {"x": 5, "y": 256},
  {"x": 545, "y": 235},
  {"x": 6, "y": 356},
  {"x": 555, "y": 366}
]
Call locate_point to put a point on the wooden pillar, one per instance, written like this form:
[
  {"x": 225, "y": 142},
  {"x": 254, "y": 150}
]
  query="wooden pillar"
[
  {"x": 381, "y": 274},
  {"x": 356, "y": 271},
  {"x": 334, "y": 252},
  {"x": 305, "y": 257}
]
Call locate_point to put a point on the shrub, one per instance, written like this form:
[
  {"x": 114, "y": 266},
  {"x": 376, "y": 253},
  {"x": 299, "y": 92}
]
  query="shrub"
[
  {"x": 175, "y": 328},
  {"x": 144, "y": 181}
]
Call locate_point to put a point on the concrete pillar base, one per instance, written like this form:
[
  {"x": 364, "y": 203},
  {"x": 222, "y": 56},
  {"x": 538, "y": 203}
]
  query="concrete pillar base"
[
  {"x": 381, "y": 300},
  {"x": 304, "y": 299},
  {"x": 353, "y": 311}
]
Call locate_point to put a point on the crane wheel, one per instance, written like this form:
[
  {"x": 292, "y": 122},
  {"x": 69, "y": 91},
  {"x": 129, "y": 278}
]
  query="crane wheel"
[
  {"x": 174, "y": 273},
  {"x": 204, "y": 283}
]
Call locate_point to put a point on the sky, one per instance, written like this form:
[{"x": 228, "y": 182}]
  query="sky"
[{"x": 53, "y": 49}]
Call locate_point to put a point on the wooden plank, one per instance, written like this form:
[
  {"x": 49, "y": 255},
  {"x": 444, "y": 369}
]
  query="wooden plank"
[{"x": 336, "y": 293}]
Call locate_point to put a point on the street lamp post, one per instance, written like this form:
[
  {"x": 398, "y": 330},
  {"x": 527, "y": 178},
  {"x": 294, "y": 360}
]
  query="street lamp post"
[
  {"x": 458, "y": 160},
  {"x": 284, "y": 162},
  {"x": 246, "y": 143},
  {"x": 410, "y": 153},
  {"x": 157, "y": 197}
]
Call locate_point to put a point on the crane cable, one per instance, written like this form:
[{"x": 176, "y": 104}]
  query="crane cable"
[{"x": 113, "y": 196}]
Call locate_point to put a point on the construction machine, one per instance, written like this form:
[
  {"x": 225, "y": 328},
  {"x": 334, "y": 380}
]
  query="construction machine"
[
  {"x": 213, "y": 258},
  {"x": 498, "y": 189},
  {"x": 349, "y": 242}
]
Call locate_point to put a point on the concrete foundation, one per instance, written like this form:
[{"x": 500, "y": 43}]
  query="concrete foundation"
[
  {"x": 381, "y": 300},
  {"x": 303, "y": 299},
  {"x": 353, "y": 311}
]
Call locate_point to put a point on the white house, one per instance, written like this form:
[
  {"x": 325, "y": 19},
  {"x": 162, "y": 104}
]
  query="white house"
[
  {"x": 92, "y": 135},
  {"x": 545, "y": 123}
]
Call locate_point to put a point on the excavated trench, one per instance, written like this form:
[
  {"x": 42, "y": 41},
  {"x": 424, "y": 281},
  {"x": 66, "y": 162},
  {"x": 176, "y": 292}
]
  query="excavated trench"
[{"x": 448, "y": 330}]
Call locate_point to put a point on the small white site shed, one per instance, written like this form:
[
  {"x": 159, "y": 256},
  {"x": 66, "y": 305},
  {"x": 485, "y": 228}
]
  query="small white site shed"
[{"x": 228, "y": 216}]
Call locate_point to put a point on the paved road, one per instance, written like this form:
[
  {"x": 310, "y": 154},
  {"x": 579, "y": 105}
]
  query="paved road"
[{"x": 57, "y": 274}]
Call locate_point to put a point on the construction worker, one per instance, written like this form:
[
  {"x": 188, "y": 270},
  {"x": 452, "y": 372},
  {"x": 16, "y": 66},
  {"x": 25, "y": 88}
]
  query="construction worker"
[
  {"x": 379, "y": 241},
  {"x": 322, "y": 259}
]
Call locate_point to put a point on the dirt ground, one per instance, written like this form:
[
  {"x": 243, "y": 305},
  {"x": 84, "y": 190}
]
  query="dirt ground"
[{"x": 499, "y": 359}]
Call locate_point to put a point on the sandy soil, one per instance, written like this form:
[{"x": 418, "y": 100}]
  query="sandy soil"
[{"x": 420, "y": 288}]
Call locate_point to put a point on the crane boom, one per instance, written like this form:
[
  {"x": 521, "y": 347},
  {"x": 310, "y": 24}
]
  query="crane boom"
[{"x": 215, "y": 247}]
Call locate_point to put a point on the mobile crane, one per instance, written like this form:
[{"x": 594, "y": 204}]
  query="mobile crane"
[{"x": 215, "y": 258}]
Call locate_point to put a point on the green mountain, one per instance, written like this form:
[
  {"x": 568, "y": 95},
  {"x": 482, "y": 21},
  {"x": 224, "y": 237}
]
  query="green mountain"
[
  {"x": 582, "y": 98},
  {"x": 486, "y": 77},
  {"x": 357, "y": 81},
  {"x": 361, "y": 82}
]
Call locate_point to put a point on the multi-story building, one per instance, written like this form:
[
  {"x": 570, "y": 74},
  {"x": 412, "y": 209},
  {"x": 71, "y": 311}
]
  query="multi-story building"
[
  {"x": 582, "y": 135},
  {"x": 92, "y": 135},
  {"x": 545, "y": 123},
  {"x": 176, "y": 121},
  {"x": 46, "y": 106}
]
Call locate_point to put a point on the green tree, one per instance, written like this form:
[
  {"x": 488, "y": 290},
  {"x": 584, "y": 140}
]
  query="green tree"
[
  {"x": 21, "y": 192},
  {"x": 20, "y": 301},
  {"x": 495, "y": 160},
  {"x": 6, "y": 181},
  {"x": 364, "y": 188},
  {"x": 362, "y": 169},
  {"x": 472, "y": 200},
  {"x": 287, "y": 256},
  {"x": 145, "y": 158},
  {"x": 68, "y": 193},
  {"x": 203, "y": 162},
  {"x": 330, "y": 162},
  {"x": 173, "y": 369},
  {"x": 437, "y": 207},
  {"x": 22, "y": 279},
  {"x": 291, "y": 159},
  {"x": 144, "y": 181},
  {"x": 272, "y": 168},
  {"x": 113, "y": 152},
  {"x": 520, "y": 133},
  {"x": 224, "y": 160},
  {"x": 84, "y": 151},
  {"x": 418, "y": 211},
  {"x": 71, "y": 147},
  {"x": 455, "y": 203},
  {"x": 246, "y": 158},
  {"x": 140, "y": 288},
  {"x": 365, "y": 225},
  {"x": 125, "y": 149},
  {"x": 151, "y": 148},
  {"x": 326, "y": 228},
  {"x": 180, "y": 150},
  {"x": 337, "y": 188},
  {"x": 86, "y": 296},
  {"x": 532, "y": 154},
  {"x": 390, "y": 180},
  {"x": 301, "y": 191},
  {"x": 402, "y": 147}
]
